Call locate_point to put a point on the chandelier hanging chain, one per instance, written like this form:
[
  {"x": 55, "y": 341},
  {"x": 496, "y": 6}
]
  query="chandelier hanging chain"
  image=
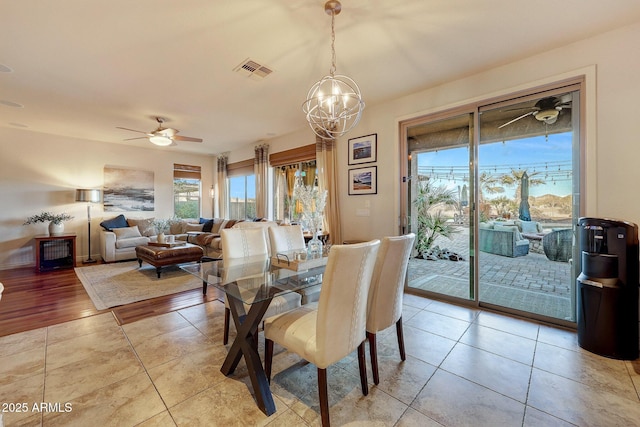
[{"x": 332, "y": 70}]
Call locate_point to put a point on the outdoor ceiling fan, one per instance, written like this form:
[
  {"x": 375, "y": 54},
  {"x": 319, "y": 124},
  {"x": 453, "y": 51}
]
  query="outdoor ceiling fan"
[
  {"x": 162, "y": 136},
  {"x": 545, "y": 110}
]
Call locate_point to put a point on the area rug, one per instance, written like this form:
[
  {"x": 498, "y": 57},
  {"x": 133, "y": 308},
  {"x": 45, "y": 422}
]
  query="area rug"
[{"x": 120, "y": 283}]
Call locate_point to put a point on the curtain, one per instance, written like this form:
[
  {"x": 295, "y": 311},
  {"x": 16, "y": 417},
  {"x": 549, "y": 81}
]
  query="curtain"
[
  {"x": 326, "y": 162},
  {"x": 261, "y": 170},
  {"x": 291, "y": 179},
  {"x": 221, "y": 187},
  {"x": 309, "y": 169},
  {"x": 290, "y": 174}
]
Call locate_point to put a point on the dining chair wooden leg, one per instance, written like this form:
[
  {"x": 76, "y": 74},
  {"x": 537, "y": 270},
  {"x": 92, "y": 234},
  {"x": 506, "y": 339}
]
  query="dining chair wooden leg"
[
  {"x": 268, "y": 358},
  {"x": 225, "y": 333},
  {"x": 373, "y": 352},
  {"x": 323, "y": 395},
  {"x": 400, "y": 334},
  {"x": 362, "y": 362}
]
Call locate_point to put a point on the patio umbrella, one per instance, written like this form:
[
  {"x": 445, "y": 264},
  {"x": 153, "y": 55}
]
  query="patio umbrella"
[
  {"x": 464, "y": 197},
  {"x": 524, "y": 213}
]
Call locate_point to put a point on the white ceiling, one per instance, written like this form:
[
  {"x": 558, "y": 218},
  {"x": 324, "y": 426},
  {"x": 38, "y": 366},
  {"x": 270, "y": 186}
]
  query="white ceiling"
[{"x": 80, "y": 67}]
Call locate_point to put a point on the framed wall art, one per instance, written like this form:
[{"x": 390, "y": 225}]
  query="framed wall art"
[
  {"x": 363, "y": 180},
  {"x": 363, "y": 149},
  {"x": 128, "y": 190}
]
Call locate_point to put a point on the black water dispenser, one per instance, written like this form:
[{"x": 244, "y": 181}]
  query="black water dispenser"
[{"x": 608, "y": 288}]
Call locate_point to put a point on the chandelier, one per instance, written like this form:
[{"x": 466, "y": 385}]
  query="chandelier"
[{"x": 334, "y": 104}]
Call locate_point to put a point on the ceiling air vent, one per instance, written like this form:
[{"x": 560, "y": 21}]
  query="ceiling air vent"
[{"x": 253, "y": 69}]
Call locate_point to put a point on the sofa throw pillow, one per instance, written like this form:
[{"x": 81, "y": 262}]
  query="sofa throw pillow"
[
  {"x": 513, "y": 228},
  {"x": 146, "y": 226},
  {"x": 529, "y": 226},
  {"x": 217, "y": 225},
  {"x": 194, "y": 227},
  {"x": 117, "y": 222},
  {"x": 127, "y": 232},
  {"x": 207, "y": 224},
  {"x": 178, "y": 227}
]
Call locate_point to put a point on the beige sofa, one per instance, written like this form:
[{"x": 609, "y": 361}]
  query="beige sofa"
[
  {"x": 119, "y": 236},
  {"x": 118, "y": 239}
]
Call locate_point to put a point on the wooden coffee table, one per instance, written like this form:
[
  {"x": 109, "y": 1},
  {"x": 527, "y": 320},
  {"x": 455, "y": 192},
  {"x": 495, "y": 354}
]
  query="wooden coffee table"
[{"x": 162, "y": 256}]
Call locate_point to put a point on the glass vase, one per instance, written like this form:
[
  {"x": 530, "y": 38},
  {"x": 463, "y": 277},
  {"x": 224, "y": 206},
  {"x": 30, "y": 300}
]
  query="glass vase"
[{"x": 314, "y": 247}]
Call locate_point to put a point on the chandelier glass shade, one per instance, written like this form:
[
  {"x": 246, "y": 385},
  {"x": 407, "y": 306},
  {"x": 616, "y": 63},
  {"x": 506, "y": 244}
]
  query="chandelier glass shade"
[{"x": 334, "y": 104}]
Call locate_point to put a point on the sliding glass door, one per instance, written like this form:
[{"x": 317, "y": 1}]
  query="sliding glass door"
[
  {"x": 440, "y": 191},
  {"x": 493, "y": 194},
  {"x": 528, "y": 163}
]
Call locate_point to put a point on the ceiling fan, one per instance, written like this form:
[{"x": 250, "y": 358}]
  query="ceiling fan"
[
  {"x": 545, "y": 110},
  {"x": 162, "y": 136}
]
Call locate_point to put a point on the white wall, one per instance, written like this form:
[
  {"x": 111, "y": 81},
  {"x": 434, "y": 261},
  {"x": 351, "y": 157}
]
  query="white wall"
[
  {"x": 611, "y": 63},
  {"x": 41, "y": 172}
]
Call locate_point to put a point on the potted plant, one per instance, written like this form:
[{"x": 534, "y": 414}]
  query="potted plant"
[
  {"x": 56, "y": 221},
  {"x": 162, "y": 227}
]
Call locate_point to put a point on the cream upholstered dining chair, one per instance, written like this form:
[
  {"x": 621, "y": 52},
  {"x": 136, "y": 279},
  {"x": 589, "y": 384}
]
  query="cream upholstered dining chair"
[
  {"x": 288, "y": 238},
  {"x": 335, "y": 328},
  {"x": 384, "y": 307},
  {"x": 262, "y": 225},
  {"x": 1, "y": 289},
  {"x": 245, "y": 246}
]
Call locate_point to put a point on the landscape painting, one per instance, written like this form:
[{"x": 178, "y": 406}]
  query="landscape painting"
[
  {"x": 363, "y": 181},
  {"x": 128, "y": 190},
  {"x": 363, "y": 149}
]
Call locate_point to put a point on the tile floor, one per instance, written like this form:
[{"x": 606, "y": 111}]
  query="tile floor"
[{"x": 464, "y": 367}]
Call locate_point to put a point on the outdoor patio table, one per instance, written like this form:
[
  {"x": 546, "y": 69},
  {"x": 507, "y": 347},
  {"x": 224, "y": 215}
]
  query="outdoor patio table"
[{"x": 255, "y": 291}]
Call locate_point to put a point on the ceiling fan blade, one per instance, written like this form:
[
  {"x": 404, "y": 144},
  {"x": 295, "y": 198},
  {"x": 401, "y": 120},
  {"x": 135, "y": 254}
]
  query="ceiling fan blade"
[
  {"x": 132, "y": 130},
  {"x": 516, "y": 119},
  {"x": 186, "y": 138},
  {"x": 131, "y": 139}
]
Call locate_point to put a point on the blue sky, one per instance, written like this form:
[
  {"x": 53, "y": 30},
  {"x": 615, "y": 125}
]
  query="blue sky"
[
  {"x": 237, "y": 187},
  {"x": 549, "y": 158}
]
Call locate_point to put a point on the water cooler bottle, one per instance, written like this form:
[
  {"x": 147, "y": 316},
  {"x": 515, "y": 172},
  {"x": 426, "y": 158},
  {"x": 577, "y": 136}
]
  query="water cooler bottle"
[{"x": 608, "y": 288}]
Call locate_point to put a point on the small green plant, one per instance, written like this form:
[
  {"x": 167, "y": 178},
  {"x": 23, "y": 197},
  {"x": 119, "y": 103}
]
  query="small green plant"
[
  {"x": 161, "y": 225},
  {"x": 48, "y": 217}
]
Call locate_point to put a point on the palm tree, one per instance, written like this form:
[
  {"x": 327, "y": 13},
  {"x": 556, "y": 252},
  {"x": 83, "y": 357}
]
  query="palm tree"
[
  {"x": 432, "y": 224},
  {"x": 489, "y": 184},
  {"x": 515, "y": 178}
]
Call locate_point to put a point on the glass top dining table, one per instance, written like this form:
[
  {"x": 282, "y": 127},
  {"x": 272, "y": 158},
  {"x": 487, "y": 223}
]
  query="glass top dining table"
[
  {"x": 252, "y": 283},
  {"x": 252, "y": 280}
]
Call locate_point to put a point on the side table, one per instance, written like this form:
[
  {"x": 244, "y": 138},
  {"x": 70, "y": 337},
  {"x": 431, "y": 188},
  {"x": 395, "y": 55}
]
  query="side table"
[{"x": 55, "y": 252}]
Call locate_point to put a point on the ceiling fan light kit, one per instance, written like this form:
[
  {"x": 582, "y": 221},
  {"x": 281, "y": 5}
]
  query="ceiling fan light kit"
[
  {"x": 546, "y": 110},
  {"x": 547, "y": 115},
  {"x": 334, "y": 104},
  {"x": 160, "y": 140},
  {"x": 162, "y": 136}
]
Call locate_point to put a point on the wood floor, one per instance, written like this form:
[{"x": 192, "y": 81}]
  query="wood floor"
[{"x": 33, "y": 300}]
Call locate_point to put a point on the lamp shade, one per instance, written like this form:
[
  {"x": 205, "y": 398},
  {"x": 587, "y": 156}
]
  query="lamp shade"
[{"x": 88, "y": 195}]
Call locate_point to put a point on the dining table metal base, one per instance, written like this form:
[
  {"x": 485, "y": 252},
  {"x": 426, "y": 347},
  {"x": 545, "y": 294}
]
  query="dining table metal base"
[{"x": 245, "y": 344}]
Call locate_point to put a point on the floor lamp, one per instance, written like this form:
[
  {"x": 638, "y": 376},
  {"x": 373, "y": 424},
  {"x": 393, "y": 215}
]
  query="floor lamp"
[{"x": 89, "y": 196}]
